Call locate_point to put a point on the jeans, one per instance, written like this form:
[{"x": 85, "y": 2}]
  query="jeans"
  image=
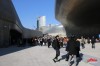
[
  {"x": 74, "y": 58},
  {"x": 57, "y": 54},
  {"x": 93, "y": 45}
]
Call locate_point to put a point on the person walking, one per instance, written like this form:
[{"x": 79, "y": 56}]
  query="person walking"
[
  {"x": 41, "y": 41},
  {"x": 65, "y": 39},
  {"x": 82, "y": 42},
  {"x": 61, "y": 41},
  {"x": 88, "y": 40},
  {"x": 56, "y": 47},
  {"x": 72, "y": 48},
  {"x": 93, "y": 42},
  {"x": 49, "y": 42}
]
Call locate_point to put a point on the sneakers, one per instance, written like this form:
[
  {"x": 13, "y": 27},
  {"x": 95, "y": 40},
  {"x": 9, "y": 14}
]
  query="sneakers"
[
  {"x": 54, "y": 60},
  {"x": 66, "y": 59}
]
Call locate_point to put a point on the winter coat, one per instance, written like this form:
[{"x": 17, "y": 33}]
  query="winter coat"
[
  {"x": 56, "y": 44},
  {"x": 93, "y": 40},
  {"x": 73, "y": 47}
]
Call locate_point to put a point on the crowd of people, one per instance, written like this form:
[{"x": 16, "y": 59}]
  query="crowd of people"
[
  {"x": 48, "y": 41},
  {"x": 71, "y": 44}
]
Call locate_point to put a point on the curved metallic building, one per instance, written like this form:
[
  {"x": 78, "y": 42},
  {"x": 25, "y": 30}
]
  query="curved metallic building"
[
  {"x": 79, "y": 17},
  {"x": 11, "y": 28}
]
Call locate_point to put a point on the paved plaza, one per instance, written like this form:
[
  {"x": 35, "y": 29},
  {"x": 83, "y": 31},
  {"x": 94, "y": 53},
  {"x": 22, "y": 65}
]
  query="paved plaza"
[{"x": 42, "y": 56}]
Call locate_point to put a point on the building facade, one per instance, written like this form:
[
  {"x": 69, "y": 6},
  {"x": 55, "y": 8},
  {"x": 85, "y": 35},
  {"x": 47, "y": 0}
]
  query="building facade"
[
  {"x": 11, "y": 29},
  {"x": 79, "y": 17},
  {"x": 41, "y": 21}
]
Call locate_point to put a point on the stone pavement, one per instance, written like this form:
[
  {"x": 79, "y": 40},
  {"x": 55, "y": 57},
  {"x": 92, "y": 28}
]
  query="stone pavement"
[
  {"x": 92, "y": 53},
  {"x": 42, "y": 56}
]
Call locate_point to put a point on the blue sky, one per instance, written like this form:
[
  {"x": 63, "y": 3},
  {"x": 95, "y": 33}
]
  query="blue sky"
[{"x": 29, "y": 10}]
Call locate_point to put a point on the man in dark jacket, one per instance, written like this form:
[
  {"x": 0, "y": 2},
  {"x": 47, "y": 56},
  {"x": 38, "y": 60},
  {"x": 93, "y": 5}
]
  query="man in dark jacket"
[
  {"x": 49, "y": 42},
  {"x": 93, "y": 42},
  {"x": 73, "y": 48},
  {"x": 56, "y": 46}
]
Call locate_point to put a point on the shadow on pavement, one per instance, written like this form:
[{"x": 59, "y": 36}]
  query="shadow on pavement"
[
  {"x": 79, "y": 59},
  {"x": 4, "y": 51},
  {"x": 63, "y": 57}
]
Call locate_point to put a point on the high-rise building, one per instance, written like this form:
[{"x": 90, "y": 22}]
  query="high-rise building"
[{"x": 41, "y": 21}]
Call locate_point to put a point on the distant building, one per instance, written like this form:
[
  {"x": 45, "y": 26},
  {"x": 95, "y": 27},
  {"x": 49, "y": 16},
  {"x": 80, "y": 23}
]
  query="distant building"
[
  {"x": 53, "y": 30},
  {"x": 41, "y": 21}
]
